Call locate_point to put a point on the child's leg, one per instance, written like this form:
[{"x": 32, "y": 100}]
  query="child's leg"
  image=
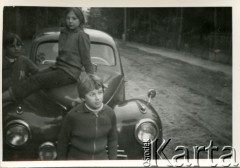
[
  {"x": 7, "y": 96},
  {"x": 48, "y": 79}
]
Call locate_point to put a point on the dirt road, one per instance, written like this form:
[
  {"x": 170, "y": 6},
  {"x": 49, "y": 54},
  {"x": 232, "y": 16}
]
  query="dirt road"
[{"x": 195, "y": 104}]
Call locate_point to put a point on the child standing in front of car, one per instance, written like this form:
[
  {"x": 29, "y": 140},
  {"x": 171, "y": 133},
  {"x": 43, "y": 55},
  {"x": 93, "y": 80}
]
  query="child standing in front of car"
[
  {"x": 15, "y": 65},
  {"x": 89, "y": 127},
  {"x": 73, "y": 58}
]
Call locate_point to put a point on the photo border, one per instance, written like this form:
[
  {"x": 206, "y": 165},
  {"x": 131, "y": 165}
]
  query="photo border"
[{"x": 235, "y": 4}]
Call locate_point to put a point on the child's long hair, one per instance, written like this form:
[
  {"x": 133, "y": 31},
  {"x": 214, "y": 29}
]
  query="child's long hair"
[{"x": 79, "y": 13}]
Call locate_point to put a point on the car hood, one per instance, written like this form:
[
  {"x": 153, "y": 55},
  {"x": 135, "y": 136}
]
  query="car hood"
[{"x": 68, "y": 95}]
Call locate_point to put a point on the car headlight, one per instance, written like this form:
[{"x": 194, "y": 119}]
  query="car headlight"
[
  {"x": 47, "y": 151},
  {"x": 17, "y": 133},
  {"x": 145, "y": 130}
]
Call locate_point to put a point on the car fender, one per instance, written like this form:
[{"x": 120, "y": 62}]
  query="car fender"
[{"x": 129, "y": 114}]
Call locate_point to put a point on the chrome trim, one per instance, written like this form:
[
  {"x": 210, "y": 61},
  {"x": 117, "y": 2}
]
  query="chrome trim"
[
  {"x": 116, "y": 90},
  {"x": 120, "y": 154},
  {"x": 18, "y": 122},
  {"x": 142, "y": 108},
  {"x": 120, "y": 151},
  {"x": 19, "y": 110},
  {"x": 46, "y": 145},
  {"x": 48, "y": 62},
  {"x": 144, "y": 121},
  {"x": 64, "y": 107}
]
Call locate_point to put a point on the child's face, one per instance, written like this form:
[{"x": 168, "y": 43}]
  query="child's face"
[
  {"x": 72, "y": 20},
  {"x": 94, "y": 98},
  {"x": 13, "y": 50}
]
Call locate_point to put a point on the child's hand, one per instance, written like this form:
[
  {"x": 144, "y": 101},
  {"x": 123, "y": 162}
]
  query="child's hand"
[
  {"x": 22, "y": 75},
  {"x": 74, "y": 101}
]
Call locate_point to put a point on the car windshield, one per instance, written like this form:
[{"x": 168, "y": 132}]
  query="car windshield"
[{"x": 101, "y": 54}]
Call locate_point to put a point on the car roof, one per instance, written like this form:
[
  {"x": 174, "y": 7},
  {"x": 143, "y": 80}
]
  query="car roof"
[{"x": 53, "y": 34}]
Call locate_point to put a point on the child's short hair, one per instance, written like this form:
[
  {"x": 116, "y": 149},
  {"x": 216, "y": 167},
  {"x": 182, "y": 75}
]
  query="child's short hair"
[
  {"x": 89, "y": 83},
  {"x": 9, "y": 38}
]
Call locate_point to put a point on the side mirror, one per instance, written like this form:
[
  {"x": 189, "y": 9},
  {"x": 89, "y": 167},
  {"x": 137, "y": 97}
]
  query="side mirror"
[{"x": 151, "y": 94}]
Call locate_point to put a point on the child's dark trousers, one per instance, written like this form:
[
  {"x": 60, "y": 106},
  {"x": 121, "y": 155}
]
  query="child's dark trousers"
[{"x": 46, "y": 79}]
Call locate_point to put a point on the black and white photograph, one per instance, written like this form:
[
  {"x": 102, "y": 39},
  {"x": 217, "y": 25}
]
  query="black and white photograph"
[{"x": 118, "y": 84}]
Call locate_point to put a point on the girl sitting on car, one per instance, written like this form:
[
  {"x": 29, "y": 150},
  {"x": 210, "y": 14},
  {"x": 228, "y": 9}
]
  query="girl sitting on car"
[{"x": 73, "y": 58}]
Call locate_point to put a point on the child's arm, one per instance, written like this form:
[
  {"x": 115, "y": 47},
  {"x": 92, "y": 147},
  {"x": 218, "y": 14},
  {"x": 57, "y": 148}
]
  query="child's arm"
[
  {"x": 63, "y": 139},
  {"x": 31, "y": 68},
  {"x": 112, "y": 139},
  {"x": 84, "y": 49}
]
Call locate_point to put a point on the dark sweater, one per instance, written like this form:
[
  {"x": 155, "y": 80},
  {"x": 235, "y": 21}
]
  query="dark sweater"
[
  {"x": 85, "y": 135},
  {"x": 15, "y": 71},
  {"x": 74, "y": 52}
]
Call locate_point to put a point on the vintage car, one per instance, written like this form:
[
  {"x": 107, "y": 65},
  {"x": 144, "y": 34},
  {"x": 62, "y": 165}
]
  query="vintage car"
[{"x": 31, "y": 127}]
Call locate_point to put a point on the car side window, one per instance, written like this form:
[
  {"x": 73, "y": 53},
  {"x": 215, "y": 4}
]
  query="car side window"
[
  {"x": 47, "y": 53},
  {"x": 102, "y": 54}
]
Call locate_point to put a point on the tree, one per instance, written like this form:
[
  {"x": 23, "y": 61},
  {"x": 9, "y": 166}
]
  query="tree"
[{"x": 109, "y": 20}]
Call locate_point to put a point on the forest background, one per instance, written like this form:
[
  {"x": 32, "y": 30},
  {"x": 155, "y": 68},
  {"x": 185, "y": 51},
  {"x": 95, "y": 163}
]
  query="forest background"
[{"x": 204, "y": 32}]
